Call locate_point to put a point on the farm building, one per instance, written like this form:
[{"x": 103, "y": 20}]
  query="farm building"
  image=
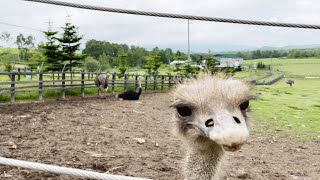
[
  {"x": 181, "y": 63},
  {"x": 228, "y": 60}
]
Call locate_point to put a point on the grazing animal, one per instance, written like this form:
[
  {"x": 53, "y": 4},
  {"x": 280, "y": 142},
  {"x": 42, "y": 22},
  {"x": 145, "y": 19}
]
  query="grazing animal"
[
  {"x": 210, "y": 116},
  {"x": 131, "y": 95},
  {"x": 101, "y": 81},
  {"x": 290, "y": 82}
]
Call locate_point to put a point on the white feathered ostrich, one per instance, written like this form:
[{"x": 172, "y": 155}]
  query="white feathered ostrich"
[
  {"x": 101, "y": 81},
  {"x": 210, "y": 115},
  {"x": 131, "y": 95}
]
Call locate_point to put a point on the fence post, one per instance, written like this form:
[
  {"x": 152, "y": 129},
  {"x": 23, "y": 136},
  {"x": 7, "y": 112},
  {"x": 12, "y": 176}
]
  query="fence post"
[
  {"x": 169, "y": 81},
  {"x": 19, "y": 70},
  {"x": 136, "y": 83},
  {"x": 125, "y": 82},
  {"x": 58, "y": 75},
  {"x": 71, "y": 77},
  {"x": 113, "y": 81},
  {"x": 53, "y": 77},
  {"x": 63, "y": 90},
  {"x": 155, "y": 82},
  {"x": 162, "y": 81},
  {"x": 40, "y": 86},
  {"x": 12, "y": 77},
  {"x": 82, "y": 84},
  {"x": 146, "y": 83}
]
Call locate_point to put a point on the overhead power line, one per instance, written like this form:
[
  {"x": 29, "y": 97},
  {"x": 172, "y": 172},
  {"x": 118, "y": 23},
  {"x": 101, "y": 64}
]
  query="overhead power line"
[
  {"x": 14, "y": 25},
  {"x": 178, "y": 16}
]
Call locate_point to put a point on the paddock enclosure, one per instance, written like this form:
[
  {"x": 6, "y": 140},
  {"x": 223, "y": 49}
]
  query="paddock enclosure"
[{"x": 133, "y": 138}]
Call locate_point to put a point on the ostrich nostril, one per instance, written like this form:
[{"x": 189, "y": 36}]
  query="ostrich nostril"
[
  {"x": 209, "y": 123},
  {"x": 236, "y": 120}
]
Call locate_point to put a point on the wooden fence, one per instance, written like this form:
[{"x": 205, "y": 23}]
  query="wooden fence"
[{"x": 12, "y": 83}]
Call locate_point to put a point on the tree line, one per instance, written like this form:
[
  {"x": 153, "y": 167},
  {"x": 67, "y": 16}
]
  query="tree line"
[
  {"x": 290, "y": 53},
  {"x": 61, "y": 52}
]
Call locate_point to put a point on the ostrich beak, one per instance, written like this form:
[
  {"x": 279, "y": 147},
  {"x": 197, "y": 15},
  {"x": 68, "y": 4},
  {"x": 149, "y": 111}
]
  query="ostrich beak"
[{"x": 229, "y": 131}]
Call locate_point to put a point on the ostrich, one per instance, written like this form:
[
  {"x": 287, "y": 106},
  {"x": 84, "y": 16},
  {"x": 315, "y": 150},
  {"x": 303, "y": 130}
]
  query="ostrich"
[
  {"x": 290, "y": 82},
  {"x": 101, "y": 81},
  {"x": 131, "y": 95},
  {"x": 210, "y": 116}
]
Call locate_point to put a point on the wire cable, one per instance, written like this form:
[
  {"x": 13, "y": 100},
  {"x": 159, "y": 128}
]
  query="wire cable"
[{"x": 178, "y": 16}]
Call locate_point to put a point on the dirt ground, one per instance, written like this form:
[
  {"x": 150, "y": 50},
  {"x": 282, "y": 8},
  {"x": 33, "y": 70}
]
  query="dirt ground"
[{"x": 103, "y": 135}]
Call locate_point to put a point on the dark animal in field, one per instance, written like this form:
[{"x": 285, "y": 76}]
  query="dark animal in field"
[
  {"x": 211, "y": 118},
  {"x": 131, "y": 95},
  {"x": 290, "y": 82},
  {"x": 101, "y": 81}
]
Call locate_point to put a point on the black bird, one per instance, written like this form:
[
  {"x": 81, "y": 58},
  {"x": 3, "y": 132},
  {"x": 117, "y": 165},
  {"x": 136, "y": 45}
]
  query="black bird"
[{"x": 131, "y": 95}]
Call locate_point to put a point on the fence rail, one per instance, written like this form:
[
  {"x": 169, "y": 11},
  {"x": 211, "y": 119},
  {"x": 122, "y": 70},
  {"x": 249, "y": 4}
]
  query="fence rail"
[{"x": 13, "y": 84}]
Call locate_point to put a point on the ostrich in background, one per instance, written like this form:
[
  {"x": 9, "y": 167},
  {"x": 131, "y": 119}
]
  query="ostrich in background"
[
  {"x": 131, "y": 95},
  {"x": 290, "y": 82},
  {"x": 210, "y": 116},
  {"x": 101, "y": 81}
]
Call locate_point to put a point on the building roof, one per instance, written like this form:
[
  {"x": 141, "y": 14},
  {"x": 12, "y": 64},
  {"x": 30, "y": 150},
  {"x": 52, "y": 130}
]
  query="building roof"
[{"x": 227, "y": 55}]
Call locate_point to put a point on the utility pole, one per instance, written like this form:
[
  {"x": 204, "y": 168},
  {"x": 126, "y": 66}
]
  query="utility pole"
[{"x": 188, "y": 42}]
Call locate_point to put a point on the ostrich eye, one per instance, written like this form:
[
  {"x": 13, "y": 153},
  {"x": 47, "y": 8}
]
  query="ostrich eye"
[
  {"x": 244, "y": 105},
  {"x": 184, "y": 111}
]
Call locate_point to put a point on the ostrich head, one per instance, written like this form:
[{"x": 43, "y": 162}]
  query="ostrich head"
[{"x": 213, "y": 109}]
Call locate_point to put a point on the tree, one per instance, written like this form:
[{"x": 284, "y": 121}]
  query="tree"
[
  {"x": 153, "y": 64},
  {"x": 36, "y": 59},
  {"x": 104, "y": 62},
  {"x": 211, "y": 63},
  {"x": 179, "y": 56},
  {"x": 91, "y": 64},
  {"x": 70, "y": 43},
  {"x": 155, "y": 51},
  {"x": 51, "y": 50},
  {"x": 6, "y": 37},
  {"x": 24, "y": 44},
  {"x": 137, "y": 56},
  {"x": 190, "y": 70},
  {"x": 122, "y": 64},
  {"x": 211, "y": 66}
]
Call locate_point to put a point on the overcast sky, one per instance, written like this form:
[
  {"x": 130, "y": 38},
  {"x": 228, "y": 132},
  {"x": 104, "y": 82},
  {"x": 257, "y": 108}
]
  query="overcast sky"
[{"x": 149, "y": 32}]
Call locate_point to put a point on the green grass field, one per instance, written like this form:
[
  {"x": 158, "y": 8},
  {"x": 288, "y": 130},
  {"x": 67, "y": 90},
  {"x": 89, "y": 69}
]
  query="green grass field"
[
  {"x": 280, "y": 109},
  {"x": 292, "y": 67}
]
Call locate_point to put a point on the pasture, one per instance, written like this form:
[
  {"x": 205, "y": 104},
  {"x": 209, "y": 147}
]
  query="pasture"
[{"x": 103, "y": 134}]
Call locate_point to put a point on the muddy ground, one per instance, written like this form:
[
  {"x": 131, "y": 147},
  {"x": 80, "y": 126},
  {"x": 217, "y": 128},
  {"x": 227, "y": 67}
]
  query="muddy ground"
[{"x": 103, "y": 135}]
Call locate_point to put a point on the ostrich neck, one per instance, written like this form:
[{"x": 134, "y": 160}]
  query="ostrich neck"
[{"x": 203, "y": 160}]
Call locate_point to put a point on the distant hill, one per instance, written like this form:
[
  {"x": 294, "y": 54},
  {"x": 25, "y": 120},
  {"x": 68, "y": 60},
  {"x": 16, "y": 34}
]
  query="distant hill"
[{"x": 312, "y": 46}]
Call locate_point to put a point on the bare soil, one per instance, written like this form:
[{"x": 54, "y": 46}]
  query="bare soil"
[{"x": 103, "y": 135}]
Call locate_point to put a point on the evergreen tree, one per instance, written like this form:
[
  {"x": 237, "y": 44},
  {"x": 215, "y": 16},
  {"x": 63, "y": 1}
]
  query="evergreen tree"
[
  {"x": 51, "y": 50},
  {"x": 153, "y": 64},
  {"x": 70, "y": 43},
  {"x": 122, "y": 64}
]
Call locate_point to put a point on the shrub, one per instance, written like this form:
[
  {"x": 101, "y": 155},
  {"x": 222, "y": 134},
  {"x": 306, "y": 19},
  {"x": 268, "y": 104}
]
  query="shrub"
[
  {"x": 261, "y": 65},
  {"x": 8, "y": 67}
]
